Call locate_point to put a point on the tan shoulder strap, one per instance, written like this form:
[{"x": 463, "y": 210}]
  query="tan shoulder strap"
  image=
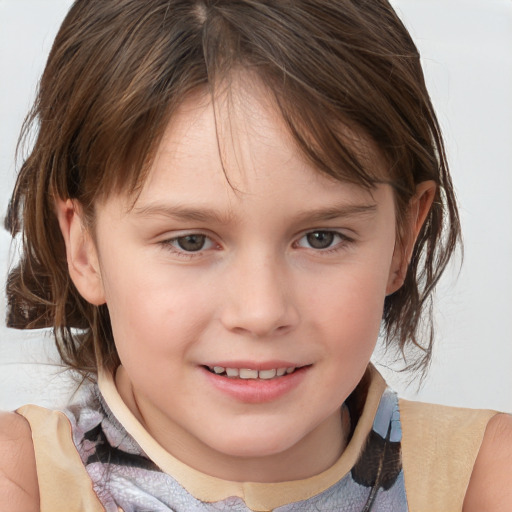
[
  {"x": 439, "y": 448},
  {"x": 64, "y": 483}
]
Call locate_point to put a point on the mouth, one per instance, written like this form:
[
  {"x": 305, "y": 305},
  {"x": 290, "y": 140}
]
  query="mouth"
[
  {"x": 254, "y": 383},
  {"x": 248, "y": 373}
]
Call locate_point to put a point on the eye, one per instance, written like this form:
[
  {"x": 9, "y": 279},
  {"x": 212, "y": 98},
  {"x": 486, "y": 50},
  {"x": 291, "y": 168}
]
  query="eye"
[
  {"x": 320, "y": 239},
  {"x": 191, "y": 243}
]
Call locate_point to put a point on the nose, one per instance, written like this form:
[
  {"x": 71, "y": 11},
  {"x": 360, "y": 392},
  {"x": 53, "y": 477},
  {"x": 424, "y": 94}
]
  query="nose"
[{"x": 259, "y": 297}]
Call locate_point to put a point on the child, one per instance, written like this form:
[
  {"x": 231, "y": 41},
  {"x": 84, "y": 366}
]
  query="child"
[{"x": 226, "y": 202}]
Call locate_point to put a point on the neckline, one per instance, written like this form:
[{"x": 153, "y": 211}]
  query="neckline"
[{"x": 257, "y": 496}]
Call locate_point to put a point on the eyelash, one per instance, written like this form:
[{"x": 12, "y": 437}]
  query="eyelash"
[
  {"x": 169, "y": 245},
  {"x": 342, "y": 241}
]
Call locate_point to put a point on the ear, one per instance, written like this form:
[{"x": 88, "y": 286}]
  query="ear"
[
  {"x": 417, "y": 211},
  {"x": 81, "y": 252}
]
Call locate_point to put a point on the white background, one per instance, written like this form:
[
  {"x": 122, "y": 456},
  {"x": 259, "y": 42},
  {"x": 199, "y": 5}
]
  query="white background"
[{"x": 466, "y": 48}]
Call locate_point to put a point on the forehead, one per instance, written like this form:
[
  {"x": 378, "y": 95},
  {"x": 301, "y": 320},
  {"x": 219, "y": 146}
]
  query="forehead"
[
  {"x": 236, "y": 153},
  {"x": 240, "y": 132}
]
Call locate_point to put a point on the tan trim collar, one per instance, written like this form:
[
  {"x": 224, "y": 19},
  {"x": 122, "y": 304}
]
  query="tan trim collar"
[{"x": 257, "y": 496}]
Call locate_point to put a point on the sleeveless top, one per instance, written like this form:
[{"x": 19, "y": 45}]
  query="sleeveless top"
[{"x": 401, "y": 457}]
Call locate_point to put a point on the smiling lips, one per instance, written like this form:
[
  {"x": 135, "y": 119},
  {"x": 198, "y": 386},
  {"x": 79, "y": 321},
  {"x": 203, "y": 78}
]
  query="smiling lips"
[
  {"x": 252, "y": 385},
  {"x": 246, "y": 373}
]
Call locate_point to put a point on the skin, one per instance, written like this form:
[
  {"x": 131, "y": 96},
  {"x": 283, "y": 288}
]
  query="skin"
[
  {"x": 257, "y": 292},
  {"x": 490, "y": 487},
  {"x": 19, "y": 491},
  {"x": 257, "y": 295}
]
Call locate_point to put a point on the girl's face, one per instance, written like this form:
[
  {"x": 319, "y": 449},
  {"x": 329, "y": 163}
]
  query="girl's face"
[{"x": 244, "y": 311}]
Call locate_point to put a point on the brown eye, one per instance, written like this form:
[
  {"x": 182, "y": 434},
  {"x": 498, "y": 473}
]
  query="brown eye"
[
  {"x": 191, "y": 243},
  {"x": 320, "y": 239}
]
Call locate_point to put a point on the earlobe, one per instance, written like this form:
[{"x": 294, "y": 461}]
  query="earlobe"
[
  {"x": 81, "y": 252},
  {"x": 417, "y": 212}
]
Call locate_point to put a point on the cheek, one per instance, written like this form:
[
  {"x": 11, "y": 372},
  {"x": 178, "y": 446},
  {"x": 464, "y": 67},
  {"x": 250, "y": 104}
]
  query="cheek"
[
  {"x": 356, "y": 291},
  {"x": 153, "y": 308},
  {"x": 349, "y": 312}
]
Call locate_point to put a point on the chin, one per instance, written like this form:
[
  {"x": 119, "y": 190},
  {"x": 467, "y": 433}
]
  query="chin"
[{"x": 253, "y": 445}]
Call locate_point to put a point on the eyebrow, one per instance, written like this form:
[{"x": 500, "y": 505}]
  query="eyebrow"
[
  {"x": 205, "y": 214},
  {"x": 184, "y": 213},
  {"x": 337, "y": 212}
]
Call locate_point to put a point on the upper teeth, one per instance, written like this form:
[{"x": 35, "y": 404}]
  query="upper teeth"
[{"x": 246, "y": 373}]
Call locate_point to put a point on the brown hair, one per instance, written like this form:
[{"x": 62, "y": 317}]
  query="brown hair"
[{"x": 118, "y": 69}]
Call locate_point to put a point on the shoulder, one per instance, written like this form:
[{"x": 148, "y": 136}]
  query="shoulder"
[
  {"x": 18, "y": 477},
  {"x": 490, "y": 487},
  {"x": 440, "y": 445}
]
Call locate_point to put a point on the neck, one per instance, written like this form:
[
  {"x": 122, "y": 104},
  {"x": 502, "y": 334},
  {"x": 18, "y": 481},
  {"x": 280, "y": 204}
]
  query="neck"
[{"x": 315, "y": 452}]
